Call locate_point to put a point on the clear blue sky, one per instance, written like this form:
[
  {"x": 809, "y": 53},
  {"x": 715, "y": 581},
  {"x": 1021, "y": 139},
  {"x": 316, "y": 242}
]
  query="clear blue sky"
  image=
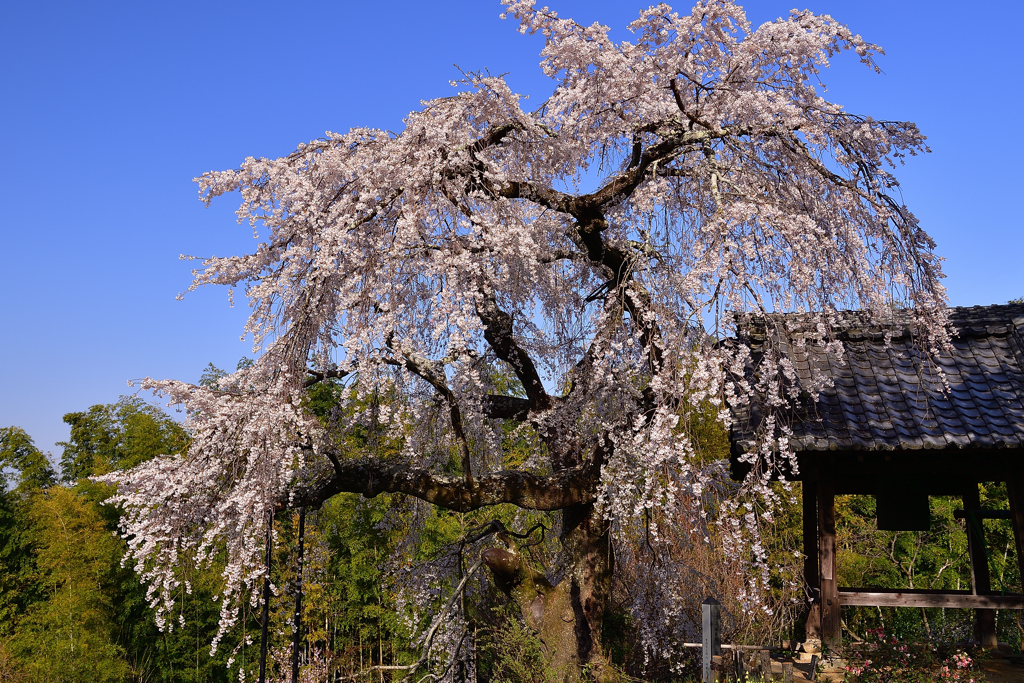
[{"x": 109, "y": 109}]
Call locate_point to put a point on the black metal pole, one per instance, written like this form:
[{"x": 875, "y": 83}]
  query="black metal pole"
[
  {"x": 297, "y": 635},
  {"x": 265, "y": 617}
]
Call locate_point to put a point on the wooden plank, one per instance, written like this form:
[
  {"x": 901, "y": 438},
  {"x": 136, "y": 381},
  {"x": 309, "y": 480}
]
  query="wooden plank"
[
  {"x": 873, "y": 597},
  {"x": 983, "y": 514},
  {"x": 726, "y": 646},
  {"x": 739, "y": 666},
  {"x": 901, "y": 504},
  {"x": 765, "y": 665}
]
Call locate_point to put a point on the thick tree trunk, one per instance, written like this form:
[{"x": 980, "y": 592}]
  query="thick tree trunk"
[
  {"x": 567, "y": 617},
  {"x": 587, "y": 545}
]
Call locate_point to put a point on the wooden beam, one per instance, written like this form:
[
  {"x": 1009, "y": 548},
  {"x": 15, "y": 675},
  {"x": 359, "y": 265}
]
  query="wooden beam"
[
  {"x": 985, "y": 618},
  {"x": 942, "y": 472},
  {"x": 831, "y": 622},
  {"x": 983, "y": 513},
  {"x": 878, "y": 597}
]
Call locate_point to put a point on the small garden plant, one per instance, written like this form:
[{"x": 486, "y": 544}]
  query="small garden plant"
[{"x": 884, "y": 658}]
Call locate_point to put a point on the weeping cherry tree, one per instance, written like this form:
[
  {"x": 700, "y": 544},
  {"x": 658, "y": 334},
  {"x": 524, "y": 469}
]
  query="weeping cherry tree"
[{"x": 435, "y": 263}]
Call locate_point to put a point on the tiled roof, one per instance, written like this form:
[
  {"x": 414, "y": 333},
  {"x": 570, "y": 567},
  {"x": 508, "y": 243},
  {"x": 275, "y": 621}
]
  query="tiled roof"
[{"x": 892, "y": 397}]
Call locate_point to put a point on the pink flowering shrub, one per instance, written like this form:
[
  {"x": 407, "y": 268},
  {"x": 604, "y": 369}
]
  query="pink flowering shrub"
[
  {"x": 884, "y": 658},
  {"x": 959, "y": 667}
]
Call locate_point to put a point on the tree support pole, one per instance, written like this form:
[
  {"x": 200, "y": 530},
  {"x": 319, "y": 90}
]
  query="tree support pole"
[
  {"x": 297, "y": 635},
  {"x": 265, "y": 617},
  {"x": 984, "y": 619}
]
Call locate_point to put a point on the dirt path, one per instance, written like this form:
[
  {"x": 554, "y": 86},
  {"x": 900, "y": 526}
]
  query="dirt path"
[{"x": 998, "y": 670}]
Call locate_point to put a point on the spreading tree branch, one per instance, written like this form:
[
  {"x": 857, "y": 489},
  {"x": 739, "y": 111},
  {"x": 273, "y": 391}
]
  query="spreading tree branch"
[{"x": 373, "y": 476}]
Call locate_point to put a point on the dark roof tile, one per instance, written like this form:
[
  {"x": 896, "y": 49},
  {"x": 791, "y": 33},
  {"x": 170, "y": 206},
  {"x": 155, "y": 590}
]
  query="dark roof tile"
[{"x": 884, "y": 398}]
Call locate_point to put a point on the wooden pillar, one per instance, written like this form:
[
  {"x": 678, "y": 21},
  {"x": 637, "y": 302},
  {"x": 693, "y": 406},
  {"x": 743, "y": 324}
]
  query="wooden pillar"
[
  {"x": 984, "y": 619},
  {"x": 1015, "y": 489},
  {"x": 809, "y": 490},
  {"x": 831, "y": 624}
]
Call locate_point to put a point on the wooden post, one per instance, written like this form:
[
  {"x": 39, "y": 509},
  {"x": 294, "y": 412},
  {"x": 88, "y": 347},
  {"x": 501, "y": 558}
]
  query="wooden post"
[
  {"x": 738, "y": 667},
  {"x": 787, "y": 672},
  {"x": 831, "y": 623},
  {"x": 984, "y": 619},
  {"x": 711, "y": 638},
  {"x": 810, "y": 504},
  {"x": 766, "y": 665},
  {"x": 1015, "y": 489}
]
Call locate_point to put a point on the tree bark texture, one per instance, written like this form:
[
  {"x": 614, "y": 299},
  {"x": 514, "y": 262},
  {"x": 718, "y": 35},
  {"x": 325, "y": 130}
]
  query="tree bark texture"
[
  {"x": 566, "y": 617},
  {"x": 372, "y": 476}
]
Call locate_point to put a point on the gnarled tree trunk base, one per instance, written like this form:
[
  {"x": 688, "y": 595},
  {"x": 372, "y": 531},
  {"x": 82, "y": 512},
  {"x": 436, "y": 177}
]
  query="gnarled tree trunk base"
[{"x": 567, "y": 617}]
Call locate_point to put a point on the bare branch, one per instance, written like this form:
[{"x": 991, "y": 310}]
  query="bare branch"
[
  {"x": 498, "y": 333},
  {"x": 433, "y": 373},
  {"x": 317, "y": 376},
  {"x": 428, "y": 637}
]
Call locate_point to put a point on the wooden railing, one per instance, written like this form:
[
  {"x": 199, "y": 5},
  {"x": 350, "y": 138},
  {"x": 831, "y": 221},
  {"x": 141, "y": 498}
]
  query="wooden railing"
[
  {"x": 713, "y": 651},
  {"x": 715, "y": 662}
]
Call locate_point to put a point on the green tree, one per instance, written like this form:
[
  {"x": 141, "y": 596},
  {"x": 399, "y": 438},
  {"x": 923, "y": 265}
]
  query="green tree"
[
  {"x": 21, "y": 459},
  {"x": 24, "y": 472},
  {"x": 117, "y": 436},
  {"x": 69, "y": 636},
  {"x": 85, "y": 614}
]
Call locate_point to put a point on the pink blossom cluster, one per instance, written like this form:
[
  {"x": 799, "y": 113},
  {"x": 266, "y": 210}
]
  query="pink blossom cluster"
[{"x": 958, "y": 668}]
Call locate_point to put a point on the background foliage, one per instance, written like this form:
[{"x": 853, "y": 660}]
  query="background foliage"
[{"x": 376, "y": 568}]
